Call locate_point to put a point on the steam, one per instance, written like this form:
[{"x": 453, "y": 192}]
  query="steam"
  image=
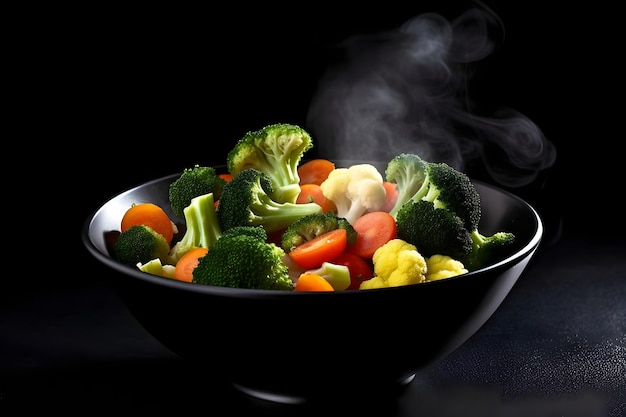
[{"x": 405, "y": 91}]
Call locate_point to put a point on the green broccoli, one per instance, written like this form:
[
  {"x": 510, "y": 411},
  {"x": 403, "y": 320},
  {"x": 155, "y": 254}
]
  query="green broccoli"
[
  {"x": 433, "y": 231},
  {"x": 487, "y": 248},
  {"x": 442, "y": 218},
  {"x": 241, "y": 258},
  {"x": 246, "y": 201},
  {"x": 202, "y": 227},
  {"x": 453, "y": 190},
  {"x": 141, "y": 244},
  {"x": 254, "y": 231},
  {"x": 275, "y": 150},
  {"x": 313, "y": 225},
  {"x": 407, "y": 171},
  {"x": 191, "y": 183}
]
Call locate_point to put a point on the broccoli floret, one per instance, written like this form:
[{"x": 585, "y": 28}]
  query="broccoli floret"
[
  {"x": 275, "y": 150},
  {"x": 432, "y": 230},
  {"x": 191, "y": 183},
  {"x": 141, "y": 244},
  {"x": 309, "y": 227},
  {"x": 202, "y": 226},
  {"x": 442, "y": 218},
  {"x": 246, "y": 201},
  {"x": 452, "y": 190},
  {"x": 487, "y": 248},
  {"x": 407, "y": 171},
  {"x": 241, "y": 259},
  {"x": 254, "y": 231}
]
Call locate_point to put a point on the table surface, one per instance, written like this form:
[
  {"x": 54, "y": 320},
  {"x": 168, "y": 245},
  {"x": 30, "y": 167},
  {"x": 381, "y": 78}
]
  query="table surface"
[{"x": 556, "y": 346}]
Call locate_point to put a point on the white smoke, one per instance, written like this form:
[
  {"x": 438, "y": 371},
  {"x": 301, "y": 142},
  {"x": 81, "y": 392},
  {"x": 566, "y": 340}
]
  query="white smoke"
[{"x": 404, "y": 90}]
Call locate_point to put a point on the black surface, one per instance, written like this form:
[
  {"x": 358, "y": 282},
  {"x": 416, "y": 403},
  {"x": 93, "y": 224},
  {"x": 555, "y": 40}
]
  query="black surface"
[
  {"x": 556, "y": 346},
  {"x": 124, "y": 96}
]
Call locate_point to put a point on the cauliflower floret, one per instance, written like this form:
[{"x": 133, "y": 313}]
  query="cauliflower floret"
[
  {"x": 355, "y": 190},
  {"x": 443, "y": 266},
  {"x": 396, "y": 263}
]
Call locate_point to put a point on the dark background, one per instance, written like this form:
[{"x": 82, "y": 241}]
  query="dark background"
[
  {"x": 124, "y": 95},
  {"x": 149, "y": 92}
]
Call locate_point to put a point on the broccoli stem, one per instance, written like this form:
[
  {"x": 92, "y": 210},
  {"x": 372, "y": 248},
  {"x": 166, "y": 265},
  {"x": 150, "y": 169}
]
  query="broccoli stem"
[{"x": 203, "y": 228}]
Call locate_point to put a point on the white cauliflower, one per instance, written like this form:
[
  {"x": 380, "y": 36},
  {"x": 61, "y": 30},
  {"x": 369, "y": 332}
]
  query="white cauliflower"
[{"x": 355, "y": 190}]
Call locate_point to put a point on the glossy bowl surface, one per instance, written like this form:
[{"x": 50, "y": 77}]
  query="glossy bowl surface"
[{"x": 292, "y": 347}]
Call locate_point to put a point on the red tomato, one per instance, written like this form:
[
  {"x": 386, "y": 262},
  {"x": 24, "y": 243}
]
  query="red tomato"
[
  {"x": 323, "y": 248},
  {"x": 373, "y": 229},
  {"x": 360, "y": 269},
  {"x": 391, "y": 196}
]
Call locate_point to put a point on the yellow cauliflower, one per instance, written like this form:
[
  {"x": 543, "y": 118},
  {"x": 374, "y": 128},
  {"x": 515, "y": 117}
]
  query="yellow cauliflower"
[
  {"x": 442, "y": 266},
  {"x": 396, "y": 263}
]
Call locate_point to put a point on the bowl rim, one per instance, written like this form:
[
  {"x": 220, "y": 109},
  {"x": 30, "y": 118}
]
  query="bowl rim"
[{"x": 105, "y": 259}]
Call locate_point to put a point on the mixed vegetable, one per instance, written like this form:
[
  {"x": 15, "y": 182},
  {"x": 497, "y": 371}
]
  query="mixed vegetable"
[{"x": 277, "y": 222}]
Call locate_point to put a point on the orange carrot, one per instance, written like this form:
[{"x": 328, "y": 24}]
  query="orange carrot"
[
  {"x": 187, "y": 263},
  {"x": 150, "y": 215},
  {"x": 373, "y": 230},
  {"x": 312, "y": 282},
  {"x": 323, "y": 248},
  {"x": 226, "y": 176},
  {"x": 315, "y": 171},
  {"x": 392, "y": 196},
  {"x": 312, "y": 193}
]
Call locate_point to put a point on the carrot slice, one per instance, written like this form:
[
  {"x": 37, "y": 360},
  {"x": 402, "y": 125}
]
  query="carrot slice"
[
  {"x": 315, "y": 171},
  {"x": 312, "y": 282},
  {"x": 150, "y": 215},
  {"x": 312, "y": 193},
  {"x": 323, "y": 248},
  {"x": 187, "y": 263},
  {"x": 373, "y": 230},
  {"x": 226, "y": 176}
]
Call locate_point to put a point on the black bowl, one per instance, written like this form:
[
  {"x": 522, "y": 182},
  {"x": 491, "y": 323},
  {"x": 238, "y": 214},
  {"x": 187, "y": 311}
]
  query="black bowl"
[{"x": 292, "y": 347}]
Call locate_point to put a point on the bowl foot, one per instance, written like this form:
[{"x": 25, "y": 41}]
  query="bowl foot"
[{"x": 295, "y": 399}]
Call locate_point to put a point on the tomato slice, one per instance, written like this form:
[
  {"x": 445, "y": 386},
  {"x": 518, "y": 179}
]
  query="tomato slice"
[
  {"x": 323, "y": 248},
  {"x": 391, "y": 196},
  {"x": 373, "y": 229}
]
